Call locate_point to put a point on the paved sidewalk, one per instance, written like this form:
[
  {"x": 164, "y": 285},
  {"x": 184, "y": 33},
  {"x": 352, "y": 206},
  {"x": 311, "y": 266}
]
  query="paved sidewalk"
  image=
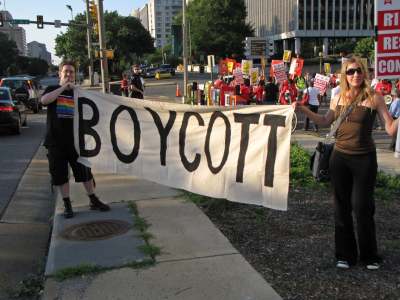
[{"x": 196, "y": 261}]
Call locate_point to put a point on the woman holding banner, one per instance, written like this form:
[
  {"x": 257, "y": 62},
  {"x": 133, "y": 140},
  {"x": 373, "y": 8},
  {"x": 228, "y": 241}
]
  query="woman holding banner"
[{"x": 353, "y": 164}]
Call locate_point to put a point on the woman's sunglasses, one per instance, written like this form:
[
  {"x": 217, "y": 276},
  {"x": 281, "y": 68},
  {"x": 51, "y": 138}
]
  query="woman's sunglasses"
[{"x": 353, "y": 71}]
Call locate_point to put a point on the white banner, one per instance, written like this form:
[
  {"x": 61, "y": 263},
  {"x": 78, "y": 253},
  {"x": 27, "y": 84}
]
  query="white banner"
[{"x": 237, "y": 153}]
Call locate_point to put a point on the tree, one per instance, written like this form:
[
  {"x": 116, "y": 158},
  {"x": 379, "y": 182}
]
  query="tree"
[
  {"x": 366, "y": 48},
  {"x": 218, "y": 27},
  {"x": 9, "y": 53},
  {"x": 125, "y": 35}
]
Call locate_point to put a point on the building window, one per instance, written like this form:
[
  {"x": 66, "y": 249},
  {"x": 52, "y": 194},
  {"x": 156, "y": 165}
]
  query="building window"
[
  {"x": 324, "y": 12},
  {"x": 315, "y": 9},
  {"x": 330, "y": 17},
  {"x": 337, "y": 14},
  {"x": 308, "y": 14},
  {"x": 159, "y": 36},
  {"x": 301, "y": 16}
]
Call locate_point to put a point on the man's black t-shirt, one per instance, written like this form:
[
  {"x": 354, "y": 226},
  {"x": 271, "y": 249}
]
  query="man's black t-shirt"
[
  {"x": 60, "y": 113},
  {"x": 271, "y": 92},
  {"x": 137, "y": 82}
]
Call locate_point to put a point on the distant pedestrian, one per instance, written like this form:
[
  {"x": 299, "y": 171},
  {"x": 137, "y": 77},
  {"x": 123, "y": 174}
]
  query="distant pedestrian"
[
  {"x": 353, "y": 164},
  {"x": 271, "y": 92},
  {"x": 394, "y": 111},
  {"x": 313, "y": 103},
  {"x": 136, "y": 83},
  {"x": 59, "y": 140}
]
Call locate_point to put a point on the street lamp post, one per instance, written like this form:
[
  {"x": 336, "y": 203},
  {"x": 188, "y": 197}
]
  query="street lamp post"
[
  {"x": 320, "y": 62},
  {"x": 70, "y": 8}
]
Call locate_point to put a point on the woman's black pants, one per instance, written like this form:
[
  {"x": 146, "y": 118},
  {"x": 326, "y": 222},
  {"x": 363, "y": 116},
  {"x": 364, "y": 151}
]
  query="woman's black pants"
[
  {"x": 353, "y": 179},
  {"x": 313, "y": 108}
]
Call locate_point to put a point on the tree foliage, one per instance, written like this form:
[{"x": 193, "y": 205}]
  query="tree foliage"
[
  {"x": 9, "y": 53},
  {"x": 218, "y": 27},
  {"x": 125, "y": 35},
  {"x": 365, "y": 48}
]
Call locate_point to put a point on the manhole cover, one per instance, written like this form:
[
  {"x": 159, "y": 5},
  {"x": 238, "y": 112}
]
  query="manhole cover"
[{"x": 97, "y": 230}]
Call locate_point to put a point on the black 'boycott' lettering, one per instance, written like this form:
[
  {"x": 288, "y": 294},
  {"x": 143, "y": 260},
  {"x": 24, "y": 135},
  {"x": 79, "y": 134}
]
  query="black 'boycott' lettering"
[
  {"x": 214, "y": 116},
  {"x": 85, "y": 127},
  {"x": 190, "y": 166},
  {"x": 274, "y": 121},
  {"x": 136, "y": 129},
  {"x": 163, "y": 131}
]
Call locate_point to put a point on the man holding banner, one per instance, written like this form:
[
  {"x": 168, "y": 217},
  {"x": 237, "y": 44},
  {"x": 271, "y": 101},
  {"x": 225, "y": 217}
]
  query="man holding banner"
[{"x": 59, "y": 140}]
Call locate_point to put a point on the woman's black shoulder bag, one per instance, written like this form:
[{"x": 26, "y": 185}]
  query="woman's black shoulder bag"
[{"x": 319, "y": 161}]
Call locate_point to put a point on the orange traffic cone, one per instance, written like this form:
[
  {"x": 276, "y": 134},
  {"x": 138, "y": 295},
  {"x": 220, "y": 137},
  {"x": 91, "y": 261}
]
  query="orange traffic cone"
[{"x": 178, "y": 92}]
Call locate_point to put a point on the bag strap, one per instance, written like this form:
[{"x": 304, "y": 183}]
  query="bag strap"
[{"x": 340, "y": 119}]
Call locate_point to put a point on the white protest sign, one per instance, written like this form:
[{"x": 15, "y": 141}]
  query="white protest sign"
[
  {"x": 321, "y": 83},
  {"x": 279, "y": 72},
  {"x": 240, "y": 154}
]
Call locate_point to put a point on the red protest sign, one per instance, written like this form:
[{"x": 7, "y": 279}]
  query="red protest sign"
[
  {"x": 279, "y": 71},
  {"x": 389, "y": 43},
  {"x": 387, "y": 50},
  {"x": 388, "y": 66}
]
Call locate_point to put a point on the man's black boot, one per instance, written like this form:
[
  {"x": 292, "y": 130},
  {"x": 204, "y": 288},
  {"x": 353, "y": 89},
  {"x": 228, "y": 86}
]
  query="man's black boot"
[
  {"x": 68, "y": 213},
  {"x": 96, "y": 204}
]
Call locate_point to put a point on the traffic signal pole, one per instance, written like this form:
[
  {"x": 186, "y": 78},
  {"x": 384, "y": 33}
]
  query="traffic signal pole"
[
  {"x": 102, "y": 42},
  {"x": 89, "y": 41},
  {"x": 184, "y": 52}
]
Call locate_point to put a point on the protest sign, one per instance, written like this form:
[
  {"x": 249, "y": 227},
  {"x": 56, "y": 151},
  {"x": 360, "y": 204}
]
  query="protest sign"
[
  {"x": 253, "y": 76},
  {"x": 296, "y": 67},
  {"x": 241, "y": 154},
  {"x": 287, "y": 55},
  {"x": 279, "y": 71},
  {"x": 387, "y": 46},
  {"x": 321, "y": 83},
  {"x": 246, "y": 66}
]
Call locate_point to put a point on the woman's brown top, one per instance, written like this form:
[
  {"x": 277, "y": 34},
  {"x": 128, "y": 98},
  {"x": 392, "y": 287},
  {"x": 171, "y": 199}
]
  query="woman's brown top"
[{"x": 354, "y": 135}]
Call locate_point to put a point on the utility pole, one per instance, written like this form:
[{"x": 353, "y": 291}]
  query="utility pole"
[
  {"x": 89, "y": 41},
  {"x": 102, "y": 42},
  {"x": 184, "y": 52}
]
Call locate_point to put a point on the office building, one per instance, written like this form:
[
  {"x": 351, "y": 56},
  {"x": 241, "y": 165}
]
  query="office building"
[
  {"x": 38, "y": 50},
  {"x": 14, "y": 32},
  {"x": 161, "y": 14},
  {"x": 143, "y": 15},
  {"x": 298, "y": 25}
]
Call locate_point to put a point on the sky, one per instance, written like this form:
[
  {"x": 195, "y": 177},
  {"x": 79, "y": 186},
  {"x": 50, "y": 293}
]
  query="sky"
[{"x": 57, "y": 10}]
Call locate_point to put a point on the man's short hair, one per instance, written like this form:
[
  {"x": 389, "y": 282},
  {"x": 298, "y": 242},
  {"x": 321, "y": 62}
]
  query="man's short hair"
[
  {"x": 66, "y": 62},
  {"x": 135, "y": 66}
]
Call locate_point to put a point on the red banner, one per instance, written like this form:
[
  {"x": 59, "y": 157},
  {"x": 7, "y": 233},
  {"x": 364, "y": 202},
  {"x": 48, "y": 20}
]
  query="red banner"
[
  {"x": 389, "y": 20},
  {"x": 389, "y": 43}
]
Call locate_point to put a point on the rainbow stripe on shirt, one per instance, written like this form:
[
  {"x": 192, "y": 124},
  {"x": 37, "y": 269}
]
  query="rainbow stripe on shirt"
[{"x": 65, "y": 107}]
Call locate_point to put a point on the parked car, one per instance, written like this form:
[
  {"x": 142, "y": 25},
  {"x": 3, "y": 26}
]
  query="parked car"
[
  {"x": 160, "y": 74},
  {"x": 167, "y": 68},
  {"x": 25, "y": 89},
  {"x": 12, "y": 111},
  {"x": 149, "y": 72}
]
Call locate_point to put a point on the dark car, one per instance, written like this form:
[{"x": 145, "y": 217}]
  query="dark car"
[
  {"x": 12, "y": 111},
  {"x": 25, "y": 89},
  {"x": 149, "y": 72},
  {"x": 167, "y": 68}
]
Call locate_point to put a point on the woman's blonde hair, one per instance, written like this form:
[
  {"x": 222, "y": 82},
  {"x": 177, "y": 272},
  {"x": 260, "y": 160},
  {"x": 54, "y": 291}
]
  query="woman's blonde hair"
[{"x": 365, "y": 89}]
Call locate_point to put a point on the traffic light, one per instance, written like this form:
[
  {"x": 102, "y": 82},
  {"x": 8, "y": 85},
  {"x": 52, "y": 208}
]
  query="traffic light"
[
  {"x": 93, "y": 11},
  {"x": 1, "y": 20},
  {"x": 39, "y": 22},
  {"x": 96, "y": 28}
]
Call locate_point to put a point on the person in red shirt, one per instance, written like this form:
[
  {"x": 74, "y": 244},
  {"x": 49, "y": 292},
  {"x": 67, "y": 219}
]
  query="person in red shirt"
[
  {"x": 219, "y": 82},
  {"x": 124, "y": 85},
  {"x": 245, "y": 90},
  {"x": 288, "y": 92},
  {"x": 259, "y": 92},
  {"x": 384, "y": 87}
]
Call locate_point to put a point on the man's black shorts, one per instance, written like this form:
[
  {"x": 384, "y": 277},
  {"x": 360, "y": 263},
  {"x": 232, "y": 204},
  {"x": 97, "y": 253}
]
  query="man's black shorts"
[{"x": 59, "y": 158}]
